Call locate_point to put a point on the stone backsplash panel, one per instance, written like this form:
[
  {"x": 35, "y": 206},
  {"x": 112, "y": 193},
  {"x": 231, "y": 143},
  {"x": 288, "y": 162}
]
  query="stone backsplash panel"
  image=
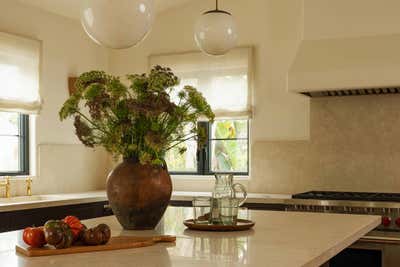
[{"x": 354, "y": 146}]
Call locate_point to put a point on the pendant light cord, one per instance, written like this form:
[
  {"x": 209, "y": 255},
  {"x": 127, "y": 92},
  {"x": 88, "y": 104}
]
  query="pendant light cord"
[{"x": 217, "y": 10}]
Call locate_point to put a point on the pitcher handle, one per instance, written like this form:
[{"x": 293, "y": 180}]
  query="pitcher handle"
[{"x": 239, "y": 188}]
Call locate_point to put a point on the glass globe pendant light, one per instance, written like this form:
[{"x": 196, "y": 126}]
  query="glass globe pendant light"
[
  {"x": 117, "y": 23},
  {"x": 215, "y": 32}
]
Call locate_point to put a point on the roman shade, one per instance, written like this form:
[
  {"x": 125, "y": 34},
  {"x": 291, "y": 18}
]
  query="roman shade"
[
  {"x": 19, "y": 74},
  {"x": 225, "y": 81}
]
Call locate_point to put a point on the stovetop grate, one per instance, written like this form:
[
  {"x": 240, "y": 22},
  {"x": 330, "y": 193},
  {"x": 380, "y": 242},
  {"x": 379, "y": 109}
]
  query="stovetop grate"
[{"x": 352, "y": 196}]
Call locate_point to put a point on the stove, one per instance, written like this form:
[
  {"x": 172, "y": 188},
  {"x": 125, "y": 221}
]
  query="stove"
[
  {"x": 384, "y": 241},
  {"x": 386, "y": 205}
]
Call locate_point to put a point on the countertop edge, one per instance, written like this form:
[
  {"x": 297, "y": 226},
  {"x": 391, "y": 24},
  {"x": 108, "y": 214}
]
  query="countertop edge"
[
  {"x": 99, "y": 196},
  {"x": 330, "y": 253}
]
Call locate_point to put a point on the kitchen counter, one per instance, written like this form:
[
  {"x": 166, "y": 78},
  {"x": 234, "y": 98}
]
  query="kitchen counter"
[
  {"x": 52, "y": 200},
  {"x": 278, "y": 239}
]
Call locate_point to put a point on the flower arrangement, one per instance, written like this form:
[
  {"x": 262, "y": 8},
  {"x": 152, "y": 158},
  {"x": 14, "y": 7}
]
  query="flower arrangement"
[{"x": 138, "y": 121}]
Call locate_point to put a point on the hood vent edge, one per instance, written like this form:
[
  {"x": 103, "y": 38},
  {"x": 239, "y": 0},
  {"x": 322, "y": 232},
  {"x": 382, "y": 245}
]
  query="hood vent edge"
[{"x": 353, "y": 92}]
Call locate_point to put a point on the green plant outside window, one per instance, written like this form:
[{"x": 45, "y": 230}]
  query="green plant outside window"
[{"x": 226, "y": 150}]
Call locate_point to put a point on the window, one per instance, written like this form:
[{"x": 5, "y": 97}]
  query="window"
[
  {"x": 14, "y": 143},
  {"x": 228, "y": 146},
  {"x": 226, "y": 150},
  {"x": 19, "y": 96},
  {"x": 226, "y": 83},
  {"x": 19, "y": 74}
]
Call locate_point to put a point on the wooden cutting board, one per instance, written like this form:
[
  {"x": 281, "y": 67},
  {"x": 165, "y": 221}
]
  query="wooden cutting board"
[{"x": 118, "y": 242}]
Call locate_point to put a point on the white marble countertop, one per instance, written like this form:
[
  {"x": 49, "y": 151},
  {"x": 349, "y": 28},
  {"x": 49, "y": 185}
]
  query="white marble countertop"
[
  {"x": 289, "y": 239},
  {"x": 51, "y": 200}
]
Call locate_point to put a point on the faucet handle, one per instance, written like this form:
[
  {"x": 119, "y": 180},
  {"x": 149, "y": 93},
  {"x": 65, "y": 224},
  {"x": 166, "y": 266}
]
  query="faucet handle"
[
  {"x": 28, "y": 181},
  {"x": 8, "y": 186}
]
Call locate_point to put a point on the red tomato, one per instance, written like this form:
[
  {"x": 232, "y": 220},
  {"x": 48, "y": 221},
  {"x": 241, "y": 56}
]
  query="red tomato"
[
  {"x": 34, "y": 237},
  {"x": 75, "y": 224}
]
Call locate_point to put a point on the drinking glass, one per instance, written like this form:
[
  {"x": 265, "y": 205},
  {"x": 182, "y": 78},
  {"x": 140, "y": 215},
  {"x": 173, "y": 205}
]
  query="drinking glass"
[
  {"x": 228, "y": 208},
  {"x": 201, "y": 209}
]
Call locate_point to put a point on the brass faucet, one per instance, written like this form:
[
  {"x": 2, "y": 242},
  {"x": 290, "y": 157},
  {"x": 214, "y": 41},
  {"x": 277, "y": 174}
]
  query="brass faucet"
[
  {"x": 6, "y": 184},
  {"x": 28, "y": 186}
]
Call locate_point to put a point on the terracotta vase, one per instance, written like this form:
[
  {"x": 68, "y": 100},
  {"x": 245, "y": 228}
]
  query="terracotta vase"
[{"x": 138, "y": 194}]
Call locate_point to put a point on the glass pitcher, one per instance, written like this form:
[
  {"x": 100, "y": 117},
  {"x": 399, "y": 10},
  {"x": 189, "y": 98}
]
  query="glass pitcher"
[{"x": 225, "y": 188}]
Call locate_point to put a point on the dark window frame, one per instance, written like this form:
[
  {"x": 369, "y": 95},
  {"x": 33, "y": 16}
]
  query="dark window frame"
[
  {"x": 23, "y": 135},
  {"x": 204, "y": 154}
]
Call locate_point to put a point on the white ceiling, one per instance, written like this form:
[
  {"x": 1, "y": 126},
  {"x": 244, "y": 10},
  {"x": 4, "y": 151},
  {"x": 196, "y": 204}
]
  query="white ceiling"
[{"x": 70, "y": 8}]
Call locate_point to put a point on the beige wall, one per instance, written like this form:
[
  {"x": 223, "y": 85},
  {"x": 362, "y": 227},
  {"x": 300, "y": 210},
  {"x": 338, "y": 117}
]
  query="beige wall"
[
  {"x": 350, "y": 18},
  {"x": 273, "y": 28},
  {"x": 66, "y": 51}
]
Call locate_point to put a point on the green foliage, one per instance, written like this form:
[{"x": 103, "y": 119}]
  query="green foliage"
[
  {"x": 230, "y": 155},
  {"x": 137, "y": 121}
]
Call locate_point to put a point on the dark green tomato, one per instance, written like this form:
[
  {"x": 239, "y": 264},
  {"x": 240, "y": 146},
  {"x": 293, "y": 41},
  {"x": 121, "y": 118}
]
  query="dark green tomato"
[
  {"x": 53, "y": 232},
  {"x": 66, "y": 241},
  {"x": 58, "y": 234},
  {"x": 98, "y": 235},
  {"x": 53, "y": 236},
  {"x": 52, "y": 224},
  {"x": 69, "y": 237},
  {"x": 106, "y": 232},
  {"x": 60, "y": 244},
  {"x": 80, "y": 237},
  {"x": 93, "y": 237},
  {"x": 64, "y": 225}
]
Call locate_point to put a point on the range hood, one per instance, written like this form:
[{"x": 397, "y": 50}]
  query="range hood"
[{"x": 348, "y": 66}]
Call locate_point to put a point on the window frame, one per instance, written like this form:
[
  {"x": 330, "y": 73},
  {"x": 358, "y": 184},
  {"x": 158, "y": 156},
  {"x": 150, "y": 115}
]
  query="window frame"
[
  {"x": 23, "y": 135},
  {"x": 204, "y": 154}
]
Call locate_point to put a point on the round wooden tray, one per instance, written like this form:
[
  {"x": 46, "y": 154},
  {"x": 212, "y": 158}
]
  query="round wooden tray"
[{"x": 240, "y": 226}]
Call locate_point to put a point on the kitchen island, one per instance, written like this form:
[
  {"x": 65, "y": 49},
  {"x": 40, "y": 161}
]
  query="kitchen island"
[{"x": 278, "y": 239}]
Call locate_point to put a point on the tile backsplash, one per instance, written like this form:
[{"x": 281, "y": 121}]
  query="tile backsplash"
[{"x": 354, "y": 146}]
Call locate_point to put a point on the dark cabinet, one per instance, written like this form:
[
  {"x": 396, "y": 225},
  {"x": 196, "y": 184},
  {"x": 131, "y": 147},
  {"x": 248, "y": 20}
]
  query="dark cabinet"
[
  {"x": 14, "y": 220},
  {"x": 357, "y": 257}
]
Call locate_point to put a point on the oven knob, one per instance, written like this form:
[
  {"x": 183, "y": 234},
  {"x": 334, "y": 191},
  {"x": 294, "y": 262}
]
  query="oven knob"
[
  {"x": 398, "y": 221},
  {"x": 386, "y": 221}
]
